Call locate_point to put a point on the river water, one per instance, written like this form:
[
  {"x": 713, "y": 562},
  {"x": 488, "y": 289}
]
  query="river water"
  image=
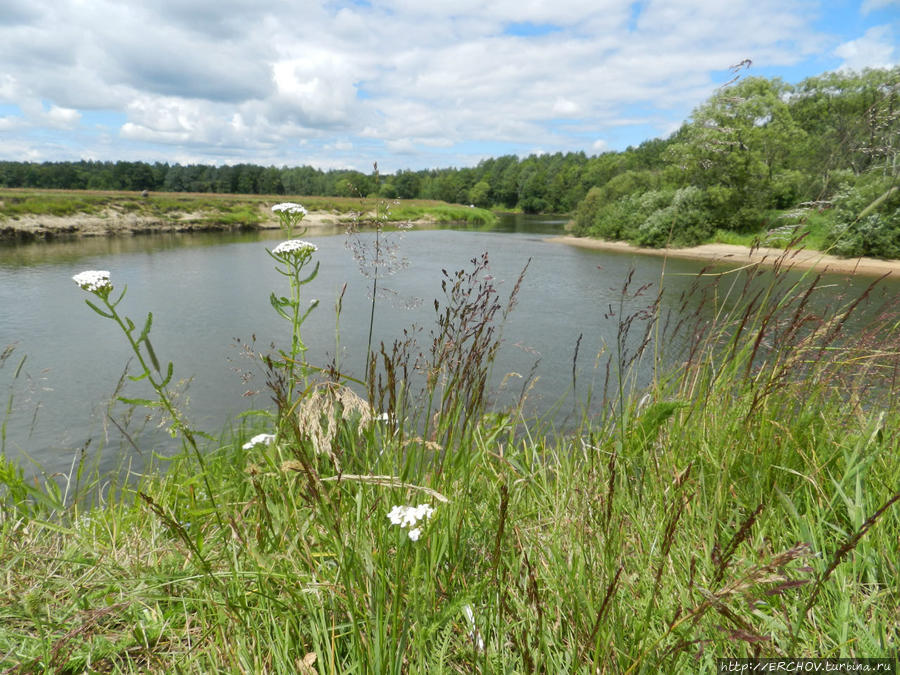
[{"x": 209, "y": 296}]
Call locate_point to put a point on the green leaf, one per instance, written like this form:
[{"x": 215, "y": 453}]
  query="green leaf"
[
  {"x": 312, "y": 306},
  {"x": 152, "y": 354},
  {"x": 98, "y": 310},
  {"x": 130, "y": 324},
  {"x": 138, "y": 378},
  {"x": 278, "y": 306},
  {"x": 168, "y": 377},
  {"x": 121, "y": 295},
  {"x": 311, "y": 276},
  {"x": 147, "y": 324},
  {"x": 138, "y": 401}
]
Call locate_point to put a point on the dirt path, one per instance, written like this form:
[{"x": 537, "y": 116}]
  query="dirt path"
[{"x": 741, "y": 255}]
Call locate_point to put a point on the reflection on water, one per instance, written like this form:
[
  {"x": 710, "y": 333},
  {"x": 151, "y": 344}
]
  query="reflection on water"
[
  {"x": 208, "y": 289},
  {"x": 72, "y": 249}
]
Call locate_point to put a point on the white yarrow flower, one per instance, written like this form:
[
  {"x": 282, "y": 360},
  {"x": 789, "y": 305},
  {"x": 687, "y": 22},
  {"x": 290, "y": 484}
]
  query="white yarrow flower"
[
  {"x": 259, "y": 439},
  {"x": 92, "y": 280},
  {"x": 474, "y": 635},
  {"x": 396, "y": 515},
  {"x": 409, "y": 517},
  {"x": 289, "y": 207},
  {"x": 292, "y": 246}
]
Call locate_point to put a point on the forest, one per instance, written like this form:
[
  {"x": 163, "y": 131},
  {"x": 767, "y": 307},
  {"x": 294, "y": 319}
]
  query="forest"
[{"x": 759, "y": 157}]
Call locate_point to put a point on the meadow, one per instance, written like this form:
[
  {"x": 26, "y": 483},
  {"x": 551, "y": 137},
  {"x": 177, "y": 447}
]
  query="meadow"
[{"x": 744, "y": 504}]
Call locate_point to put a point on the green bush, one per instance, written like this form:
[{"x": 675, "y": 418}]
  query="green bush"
[
  {"x": 586, "y": 211},
  {"x": 787, "y": 188},
  {"x": 684, "y": 222},
  {"x": 867, "y": 218}
]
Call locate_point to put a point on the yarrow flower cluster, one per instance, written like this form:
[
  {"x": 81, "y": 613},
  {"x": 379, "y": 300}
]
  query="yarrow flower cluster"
[
  {"x": 92, "y": 280},
  {"x": 294, "y": 247},
  {"x": 289, "y": 207},
  {"x": 259, "y": 439},
  {"x": 409, "y": 516},
  {"x": 474, "y": 635}
]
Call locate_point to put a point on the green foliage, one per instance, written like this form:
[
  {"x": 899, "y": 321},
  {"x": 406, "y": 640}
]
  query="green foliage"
[
  {"x": 867, "y": 218},
  {"x": 480, "y": 194},
  {"x": 758, "y": 147},
  {"x": 683, "y": 222}
]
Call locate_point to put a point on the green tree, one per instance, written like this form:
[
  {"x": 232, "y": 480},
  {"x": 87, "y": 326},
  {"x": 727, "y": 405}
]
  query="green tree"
[{"x": 480, "y": 194}]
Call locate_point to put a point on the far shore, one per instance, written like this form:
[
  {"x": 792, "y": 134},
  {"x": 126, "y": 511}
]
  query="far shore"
[
  {"x": 30, "y": 227},
  {"x": 729, "y": 254}
]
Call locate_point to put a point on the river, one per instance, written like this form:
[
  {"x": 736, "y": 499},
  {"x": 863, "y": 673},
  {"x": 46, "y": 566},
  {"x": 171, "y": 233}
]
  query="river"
[{"x": 207, "y": 291}]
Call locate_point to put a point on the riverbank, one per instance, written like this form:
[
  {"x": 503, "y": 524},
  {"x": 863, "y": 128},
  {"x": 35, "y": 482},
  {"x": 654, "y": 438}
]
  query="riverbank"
[
  {"x": 730, "y": 254},
  {"x": 110, "y": 223},
  {"x": 48, "y": 214}
]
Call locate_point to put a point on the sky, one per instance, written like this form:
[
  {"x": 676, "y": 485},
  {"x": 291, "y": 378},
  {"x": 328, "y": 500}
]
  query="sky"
[{"x": 411, "y": 84}]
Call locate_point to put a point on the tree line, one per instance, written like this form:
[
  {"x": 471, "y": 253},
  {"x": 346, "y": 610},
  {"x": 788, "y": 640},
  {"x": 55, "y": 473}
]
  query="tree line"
[
  {"x": 755, "y": 150},
  {"x": 538, "y": 183}
]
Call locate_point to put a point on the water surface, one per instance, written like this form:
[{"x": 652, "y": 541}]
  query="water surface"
[{"x": 209, "y": 298}]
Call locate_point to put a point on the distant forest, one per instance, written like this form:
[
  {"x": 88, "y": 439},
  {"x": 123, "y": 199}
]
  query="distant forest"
[{"x": 749, "y": 157}]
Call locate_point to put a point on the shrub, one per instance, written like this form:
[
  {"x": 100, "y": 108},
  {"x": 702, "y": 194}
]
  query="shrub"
[
  {"x": 867, "y": 218},
  {"x": 684, "y": 222}
]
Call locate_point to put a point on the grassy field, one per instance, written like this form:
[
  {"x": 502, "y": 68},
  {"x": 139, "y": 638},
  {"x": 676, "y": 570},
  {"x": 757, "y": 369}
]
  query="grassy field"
[
  {"x": 215, "y": 211},
  {"x": 743, "y": 505}
]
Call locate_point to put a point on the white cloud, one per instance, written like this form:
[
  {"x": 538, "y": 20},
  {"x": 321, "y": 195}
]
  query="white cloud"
[
  {"x": 340, "y": 146},
  {"x": 10, "y": 122},
  {"x": 875, "y": 49},
  {"x": 869, "y": 6},
  {"x": 401, "y": 146},
  {"x": 317, "y": 88},
  {"x": 565, "y": 107},
  {"x": 232, "y": 80},
  {"x": 62, "y": 118}
]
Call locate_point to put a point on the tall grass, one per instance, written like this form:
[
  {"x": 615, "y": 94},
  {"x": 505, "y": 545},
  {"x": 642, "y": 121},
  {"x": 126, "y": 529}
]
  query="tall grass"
[{"x": 744, "y": 505}]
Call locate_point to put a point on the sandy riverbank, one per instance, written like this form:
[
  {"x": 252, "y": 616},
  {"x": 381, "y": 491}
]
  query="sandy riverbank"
[{"x": 741, "y": 255}]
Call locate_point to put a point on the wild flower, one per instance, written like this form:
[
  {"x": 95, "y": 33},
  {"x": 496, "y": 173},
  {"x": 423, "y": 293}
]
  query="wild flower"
[
  {"x": 409, "y": 517},
  {"x": 296, "y": 247},
  {"x": 93, "y": 280},
  {"x": 289, "y": 216},
  {"x": 474, "y": 634},
  {"x": 259, "y": 439},
  {"x": 289, "y": 207},
  {"x": 293, "y": 255}
]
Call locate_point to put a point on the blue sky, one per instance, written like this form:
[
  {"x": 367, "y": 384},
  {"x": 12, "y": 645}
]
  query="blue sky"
[{"x": 407, "y": 83}]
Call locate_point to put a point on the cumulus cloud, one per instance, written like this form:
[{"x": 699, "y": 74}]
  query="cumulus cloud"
[
  {"x": 232, "y": 80},
  {"x": 875, "y": 49},
  {"x": 62, "y": 118}
]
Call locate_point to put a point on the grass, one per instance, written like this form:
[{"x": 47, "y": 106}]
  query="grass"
[
  {"x": 744, "y": 505},
  {"x": 216, "y": 211},
  {"x": 812, "y": 226}
]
